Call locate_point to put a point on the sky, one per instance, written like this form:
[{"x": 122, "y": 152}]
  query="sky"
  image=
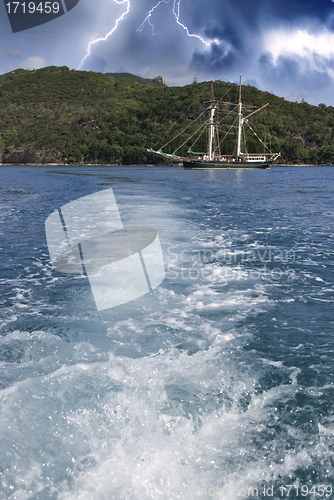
[{"x": 282, "y": 46}]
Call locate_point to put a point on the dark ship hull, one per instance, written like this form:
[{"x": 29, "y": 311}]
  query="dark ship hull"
[{"x": 200, "y": 164}]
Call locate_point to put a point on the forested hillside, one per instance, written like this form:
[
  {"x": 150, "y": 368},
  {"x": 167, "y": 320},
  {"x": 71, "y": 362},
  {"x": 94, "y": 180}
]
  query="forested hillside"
[{"x": 57, "y": 115}]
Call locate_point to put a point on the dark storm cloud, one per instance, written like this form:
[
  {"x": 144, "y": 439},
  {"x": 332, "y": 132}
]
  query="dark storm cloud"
[
  {"x": 216, "y": 60},
  {"x": 295, "y": 9},
  {"x": 236, "y": 23},
  {"x": 229, "y": 37},
  {"x": 240, "y": 33},
  {"x": 254, "y": 12},
  {"x": 293, "y": 68},
  {"x": 229, "y": 33}
]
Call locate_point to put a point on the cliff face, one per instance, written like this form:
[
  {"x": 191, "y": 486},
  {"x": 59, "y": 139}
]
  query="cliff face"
[
  {"x": 159, "y": 79},
  {"x": 26, "y": 156}
]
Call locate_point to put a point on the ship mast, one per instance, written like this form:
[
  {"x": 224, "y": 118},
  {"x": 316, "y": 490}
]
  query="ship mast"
[
  {"x": 211, "y": 124},
  {"x": 240, "y": 121}
]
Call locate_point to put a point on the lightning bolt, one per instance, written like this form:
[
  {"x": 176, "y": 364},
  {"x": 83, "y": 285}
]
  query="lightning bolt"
[
  {"x": 147, "y": 18},
  {"x": 176, "y": 12},
  {"x": 103, "y": 39}
]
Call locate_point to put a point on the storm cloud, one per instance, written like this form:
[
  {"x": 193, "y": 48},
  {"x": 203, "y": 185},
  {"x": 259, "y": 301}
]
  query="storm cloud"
[{"x": 282, "y": 46}]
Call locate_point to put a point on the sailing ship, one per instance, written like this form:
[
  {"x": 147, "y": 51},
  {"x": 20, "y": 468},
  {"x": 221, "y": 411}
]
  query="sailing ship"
[{"x": 213, "y": 158}]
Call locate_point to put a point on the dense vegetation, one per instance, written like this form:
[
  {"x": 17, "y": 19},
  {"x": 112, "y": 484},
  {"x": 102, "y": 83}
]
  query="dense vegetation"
[{"x": 57, "y": 115}]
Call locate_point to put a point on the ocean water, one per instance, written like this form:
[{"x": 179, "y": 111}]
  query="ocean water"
[{"x": 218, "y": 384}]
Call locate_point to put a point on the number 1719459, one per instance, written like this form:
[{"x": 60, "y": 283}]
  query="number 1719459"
[
  {"x": 320, "y": 490},
  {"x": 32, "y": 7}
]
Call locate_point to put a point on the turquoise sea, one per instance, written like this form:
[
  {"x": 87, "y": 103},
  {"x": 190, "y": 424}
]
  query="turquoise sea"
[{"x": 218, "y": 384}]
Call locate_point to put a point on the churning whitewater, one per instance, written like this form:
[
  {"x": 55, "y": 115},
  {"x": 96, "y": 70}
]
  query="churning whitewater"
[{"x": 217, "y": 384}]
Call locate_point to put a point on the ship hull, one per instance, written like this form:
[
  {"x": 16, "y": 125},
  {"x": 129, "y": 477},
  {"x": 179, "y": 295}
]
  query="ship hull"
[{"x": 199, "y": 164}]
